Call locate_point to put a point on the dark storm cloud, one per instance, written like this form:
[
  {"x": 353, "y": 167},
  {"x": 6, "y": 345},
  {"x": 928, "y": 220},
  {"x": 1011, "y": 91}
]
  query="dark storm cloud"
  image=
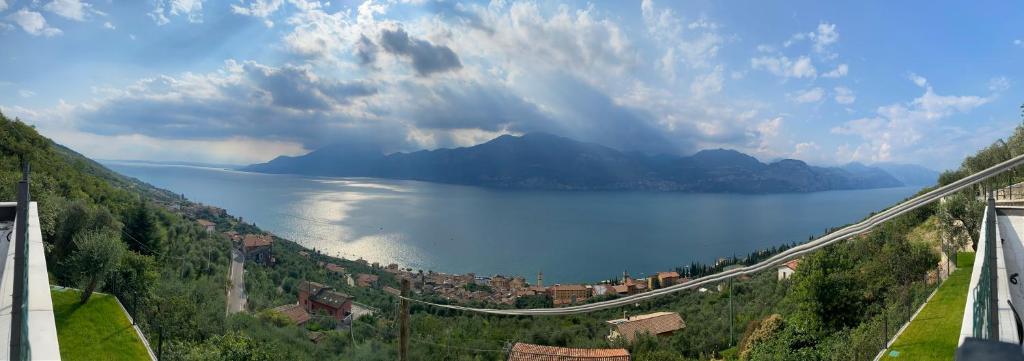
[
  {"x": 471, "y": 105},
  {"x": 426, "y": 58},
  {"x": 366, "y": 51},
  {"x": 298, "y": 88},
  {"x": 587, "y": 113}
]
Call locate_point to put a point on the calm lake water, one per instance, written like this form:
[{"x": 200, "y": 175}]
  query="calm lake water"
[{"x": 570, "y": 236}]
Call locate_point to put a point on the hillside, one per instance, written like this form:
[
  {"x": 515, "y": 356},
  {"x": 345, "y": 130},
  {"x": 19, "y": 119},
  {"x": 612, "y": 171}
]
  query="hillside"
[{"x": 544, "y": 161}]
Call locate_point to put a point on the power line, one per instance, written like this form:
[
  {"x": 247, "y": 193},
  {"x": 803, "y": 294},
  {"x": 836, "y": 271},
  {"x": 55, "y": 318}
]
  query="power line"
[{"x": 839, "y": 235}]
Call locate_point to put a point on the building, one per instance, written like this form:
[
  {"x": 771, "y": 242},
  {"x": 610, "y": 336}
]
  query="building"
[
  {"x": 666, "y": 279},
  {"x": 661, "y": 324},
  {"x": 500, "y": 282},
  {"x": 568, "y": 294},
  {"x": 331, "y": 267},
  {"x": 315, "y": 297},
  {"x": 210, "y": 227},
  {"x": 530, "y": 352},
  {"x": 294, "y": 312},
  {"x": 365, "y": 280},
  {"x": 256, "y": 247},
  {"x": 787, "y": 269},
  {"x": 38, "y": 313}
]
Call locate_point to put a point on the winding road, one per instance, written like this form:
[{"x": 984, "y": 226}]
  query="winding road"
[{"x": 236, "y": 293}]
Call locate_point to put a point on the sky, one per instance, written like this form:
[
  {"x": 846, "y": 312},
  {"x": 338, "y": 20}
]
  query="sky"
[{"x": 244, "y": 81}]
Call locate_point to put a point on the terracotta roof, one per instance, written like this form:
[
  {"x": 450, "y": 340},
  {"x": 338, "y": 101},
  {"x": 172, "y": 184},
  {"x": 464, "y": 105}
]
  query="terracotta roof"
[
  {"x": 653, "y": 323},
  {"x": 662, "y": 275},
  {"x": 294, "y": 312},
  {"x": 365, "y": 280},
  {"x": 792, "y": 264},
  {"x": 530, "y": 352},
  {"x": 257, "y": 240},
  {"x": 334, "y": 268},
  {"x": 205, "y": 223},
  {"x": 557, "y": 288}
]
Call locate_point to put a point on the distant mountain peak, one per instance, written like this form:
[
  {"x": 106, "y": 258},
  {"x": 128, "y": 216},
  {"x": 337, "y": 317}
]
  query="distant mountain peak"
[{"x": 547, "y": 161}]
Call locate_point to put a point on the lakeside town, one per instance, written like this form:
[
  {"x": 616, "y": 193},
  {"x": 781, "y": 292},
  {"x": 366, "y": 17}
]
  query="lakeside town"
[{"x": 505, "y": 290}]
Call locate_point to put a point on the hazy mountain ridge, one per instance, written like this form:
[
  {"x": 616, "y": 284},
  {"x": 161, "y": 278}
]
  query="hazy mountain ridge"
[{"x": 544, "y": 161}]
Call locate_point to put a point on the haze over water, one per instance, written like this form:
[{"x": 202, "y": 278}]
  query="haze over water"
[{"x": 570, "y": 236}]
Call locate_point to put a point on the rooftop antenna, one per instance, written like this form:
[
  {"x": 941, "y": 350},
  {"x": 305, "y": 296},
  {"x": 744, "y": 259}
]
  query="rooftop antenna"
[{"x": 19, "y": 325}]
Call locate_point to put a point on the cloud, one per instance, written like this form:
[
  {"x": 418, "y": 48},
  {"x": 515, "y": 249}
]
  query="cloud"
[
  {"x": 998, "y": 84},
  {"x": 33, "y": 23},
  {"x": 109, "y": 25},
  {"x": 3, "y": 5},
  {"x": 25, "y": 93},
  {"x": 71, "y": 9},
  {"x": 1018, "y": 42},
  {"x": 426, "y": 58},
  {"x": 918, "y": 80},
  {"x": 840, "y": 71},
  {"x": 784, "y": 67},
  {"x": 812, "y": 95},
  {"x": 707, "y": 84},
  {"x": 897, "y": 129},
  {"x": 297, "y": 87},
  {"x": 844, "y": 95},
  {"x": 821, "y": 39},
  {"x": 697, "y": 47},
  {"x": 826, "y": 35},
  {"x": 258, "y": 8},
  {"x": 164, "y": 9}
]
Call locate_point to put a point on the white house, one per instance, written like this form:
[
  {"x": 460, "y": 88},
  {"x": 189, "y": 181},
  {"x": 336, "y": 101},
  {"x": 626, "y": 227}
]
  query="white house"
[{"x": 787, "y": 269}]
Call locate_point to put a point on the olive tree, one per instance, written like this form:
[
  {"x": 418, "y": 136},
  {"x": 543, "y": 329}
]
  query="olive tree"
[{"x": 96, "y": 255}]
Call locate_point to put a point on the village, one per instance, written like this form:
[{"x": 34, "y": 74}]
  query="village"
[{"x": 320, "y": 300}]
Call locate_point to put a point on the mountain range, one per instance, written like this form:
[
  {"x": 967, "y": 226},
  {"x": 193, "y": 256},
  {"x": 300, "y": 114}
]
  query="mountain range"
[{"x": 545, "y": 161}]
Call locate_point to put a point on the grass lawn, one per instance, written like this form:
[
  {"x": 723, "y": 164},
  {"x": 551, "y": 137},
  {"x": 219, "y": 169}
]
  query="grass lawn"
[
  {"x": 933, "y": 335},
  {"x": 97, "y": 330}
]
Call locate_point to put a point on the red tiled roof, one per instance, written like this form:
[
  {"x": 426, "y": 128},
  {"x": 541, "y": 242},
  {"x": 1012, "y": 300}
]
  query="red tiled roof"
[
  {"x": 294, "y": 312},
  {"x": 653, "y": 323},
  {"x": 557, "y": 288},
  {"x": 257, "y": 240},
  {"x": 334, "y": 268},
  {"x": 792, "y": 264},
  {"x": 662, "y": 275},
  {"x": 530, "y": 352}
]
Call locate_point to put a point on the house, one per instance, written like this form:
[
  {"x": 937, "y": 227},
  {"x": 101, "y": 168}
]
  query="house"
[
  {"x": 365, "y": 280},
  {"x": 210, "y": 227},
  {"x": 294, "y": 312},
  {"x": 787, "y": 269},
  {"x": 256, "y": 247},
  {"x": 315, "y": 297},
  {"x": 500, "y": 282},
  {"x": 661, "y": 324},
  {"x": 666, "y": 279},
  {"x": 568, "y": 294},
  {"x": 331, "y": 267},
  {"x": 530, "y": 352}
]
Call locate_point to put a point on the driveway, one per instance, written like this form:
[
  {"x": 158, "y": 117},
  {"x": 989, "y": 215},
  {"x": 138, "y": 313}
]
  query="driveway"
[{"x": 236, "y": 293}]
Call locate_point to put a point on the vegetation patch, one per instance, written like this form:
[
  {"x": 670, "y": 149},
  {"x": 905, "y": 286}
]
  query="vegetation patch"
[
  {"x": 933, "y": 335},
  {"x": 96, "y": 330}
]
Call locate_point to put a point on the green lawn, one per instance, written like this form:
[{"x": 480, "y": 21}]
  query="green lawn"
[
  {"x": 97, "y": 330},
  {"x": 933, "y": 335}
]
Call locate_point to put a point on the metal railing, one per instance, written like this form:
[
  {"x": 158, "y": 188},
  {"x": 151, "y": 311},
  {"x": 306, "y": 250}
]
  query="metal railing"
[{"x": 985, "y": 320}]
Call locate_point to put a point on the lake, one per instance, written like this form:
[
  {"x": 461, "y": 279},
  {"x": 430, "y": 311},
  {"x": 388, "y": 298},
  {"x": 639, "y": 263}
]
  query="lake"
[{"x": 570, "y": 236}]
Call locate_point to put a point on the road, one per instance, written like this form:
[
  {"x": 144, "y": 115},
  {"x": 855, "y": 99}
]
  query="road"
[{"x": 236, "y": 293}]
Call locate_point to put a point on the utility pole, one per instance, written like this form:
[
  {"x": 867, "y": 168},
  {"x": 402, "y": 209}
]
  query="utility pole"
[
  {"x": 732, "y": 338},
  {"x": 403, "y": 322},
  {"x": 19, "y": 325}
]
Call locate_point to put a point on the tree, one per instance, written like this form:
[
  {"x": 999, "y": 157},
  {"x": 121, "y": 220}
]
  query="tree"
[
  {"x": 144, "y": 232},
  {"x": 97, "y": 254}
]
